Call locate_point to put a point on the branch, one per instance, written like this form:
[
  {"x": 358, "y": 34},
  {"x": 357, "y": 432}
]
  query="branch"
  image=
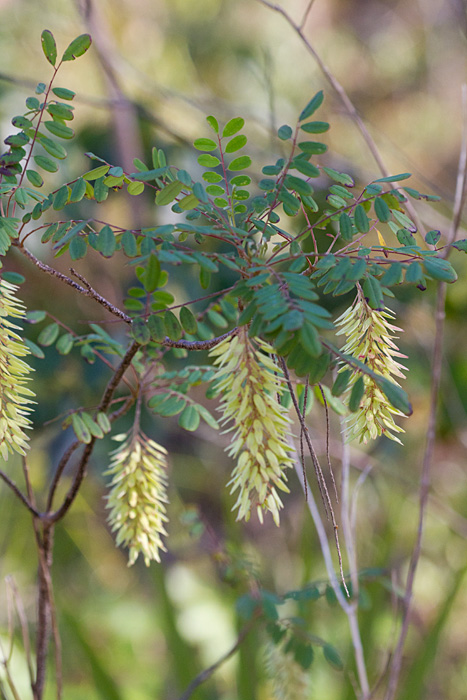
[
  {"x": 19, "y": 494},
  {"x": 341, "y": 93},
  {"x": 104, "y": 404}
]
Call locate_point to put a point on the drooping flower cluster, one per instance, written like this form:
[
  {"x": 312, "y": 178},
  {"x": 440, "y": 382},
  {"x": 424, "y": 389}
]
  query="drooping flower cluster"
[
  {"x": 138, "y": 494},
  {"x": 249, "y": 380},
  {"x": 288, "y": 679},
  {"x": 370, "y": 339},
  {"x": 15, "y": 397}
]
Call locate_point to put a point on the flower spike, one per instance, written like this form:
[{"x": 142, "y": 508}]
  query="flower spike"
[
  {"x": 138, "y": 494},
  {"x": 249, "y": 380},
  {"x": 370, "y": 339},
  {"x": 14, "y": 395}
]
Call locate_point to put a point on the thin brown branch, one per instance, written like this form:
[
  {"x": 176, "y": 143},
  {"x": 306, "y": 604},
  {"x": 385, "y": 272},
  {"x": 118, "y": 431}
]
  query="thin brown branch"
[
  {"x": 9, "y": 482},
  {"x": 343, "y": 96},
  {"x": 318, "y": 470},
  {"x": 207, "y": 672},
  {"x": 82, "y": 466}
]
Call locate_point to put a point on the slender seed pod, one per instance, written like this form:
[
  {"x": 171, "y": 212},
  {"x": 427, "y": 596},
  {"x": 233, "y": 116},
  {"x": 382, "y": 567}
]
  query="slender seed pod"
[
  {"x": 138, "y": 494},
  {"x": 15, "y": 397},
  {"x": 370, "y": 339},
  {"x": 250, "y": 382}
]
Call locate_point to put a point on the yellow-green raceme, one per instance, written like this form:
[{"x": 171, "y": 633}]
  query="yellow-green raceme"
[
  {"x": 138, "y": 494},
  {"x": 15, "y": 397},
  {"x": 250, "y": 383},
  {"x": 370, "y": 338}
]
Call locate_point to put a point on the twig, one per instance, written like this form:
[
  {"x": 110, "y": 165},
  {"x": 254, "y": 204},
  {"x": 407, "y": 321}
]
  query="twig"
[
  {"x": 436, "y": 371},
  {"x": 105, "y": 401},
  {"x": 328, "y": 438},
  {"x": 18, "y": 493},
  {"x": 318, "y": 470},
  {"x": 341, "y": 93},
  {"x": 207, "y": 673}
]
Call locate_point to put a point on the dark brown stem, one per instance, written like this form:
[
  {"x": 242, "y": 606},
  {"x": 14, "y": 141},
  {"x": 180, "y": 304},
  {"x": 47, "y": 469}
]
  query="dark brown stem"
[
  {"x": 43, "y": 610},
  {"x": 104, "y": 404},
  {"x": 19, "y": 494}
]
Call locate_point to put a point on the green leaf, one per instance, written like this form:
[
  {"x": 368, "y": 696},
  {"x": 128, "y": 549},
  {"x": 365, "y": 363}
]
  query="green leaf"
[
  {"x": 312, "y": 147},
  {"x": 233, "y": 126},
  {"x": 54, "y": 149},
  {"x": 49, "y": 47},
  {"x": 96, "y": 173},
  {"x": 13, "y": 277},
  {"x": 129, "y": 244},
  {"x": 189, "y": 418},
  {"x": 310, "y": 341},
  {"x": 78, "y": 190},
  {"x": 240, "y": 163},
  {"x": 91, "y": 425},
  {"x": 312, "y": 106},
  {"x": 394, "y": 178},
  {"x": 106, "y": 243},
  {"x": 404, "y": 220},
  {"x": 461, "y": 245},
  {"x": 188, "y": 320},
  {"x": 135, "y": 188},
  {"x": 332, "y": 657},
  {"x": 49, "y": 334},
  {"x": 395, "y": 394},
  {"x": 78, "y": 47},
  {"x": 61, "y": 111},
  {"x": 414, "y": 273},
  {"x": 304, "y": 167},
  {"x": 61, "y": 198},
  {"x": 172, "y": 326},
  {"x": 373, "y": 293},
  {"x": 213, "y": 123},
  {"x": 33, "y": 103},
  {"x": 34, "y": 349},
  {"x": 236, "y": 143},
  {"x": 171, "y": 406},
  {"x": 405, "y": 238},
  {"x": 205, "y": 145},
  {"x": 101, "y": 190},
  {"x": 60, "y": 130},
  {"x": 361, "y": 220},
  {"x": 345, "y": 226},
  {"x": 339, "y": 177},
  {"x": 63, "y": 93},
  {"x": 169, "y": 193},
  {"x": 284, "y": 132},
  {"x": 77, "y": 248},
  {"x": 151, "y": 274},
  {"x": 342, "y": 380},
  {"x": 80, "y": 428},
  {"x": 393, "y": 275},
  {"x": 356, "y": 394},
  {"x": 139, "y": 331},
  {"x": 46, "y": 163},
  {"x": 208, "y": 161},
  {"x": 103, "y": 422},
  {"x": 65, "y": 343},
  {"x": 382, "y": 210},
  {"x": 189, "y": 202},
  {"x": 156, "y": 327},
  {"x": 432, "y": 237},
  {"x": 315, "y": 127},
  {"x": 439, "y": 269}
]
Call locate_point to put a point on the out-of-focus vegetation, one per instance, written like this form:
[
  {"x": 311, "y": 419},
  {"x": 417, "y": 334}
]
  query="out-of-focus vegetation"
[{"x": 155, "y": 71}]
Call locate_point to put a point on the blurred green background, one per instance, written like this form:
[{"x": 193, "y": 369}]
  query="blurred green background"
[{"x": 155, "y": 70}]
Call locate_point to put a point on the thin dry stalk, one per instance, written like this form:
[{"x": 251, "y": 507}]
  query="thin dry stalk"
[{"x": 436, "y": 372}]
